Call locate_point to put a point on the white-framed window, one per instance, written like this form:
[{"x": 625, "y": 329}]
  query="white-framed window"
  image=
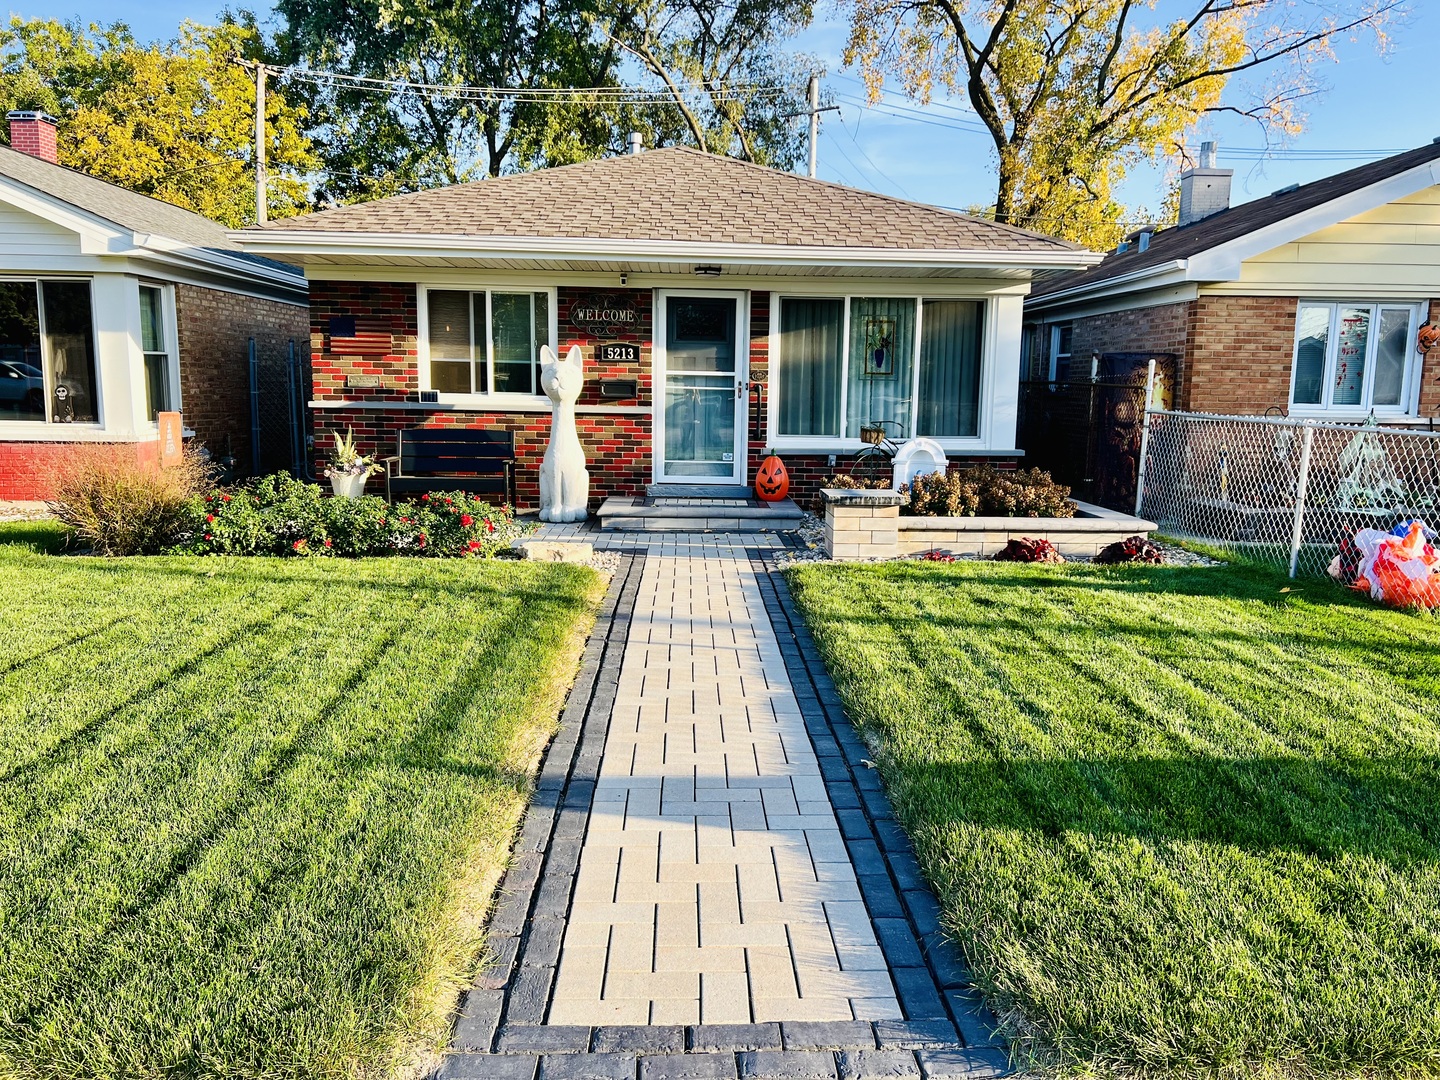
[
  {"x": 485, "y": 341},
  {"x": 47, "y": 352},
  {"x": 1062, "y": 336},
  {"x": 157, "y": 341},
  {"x": 1354, "y": 358},
  {"x": 911, "y": 365}
]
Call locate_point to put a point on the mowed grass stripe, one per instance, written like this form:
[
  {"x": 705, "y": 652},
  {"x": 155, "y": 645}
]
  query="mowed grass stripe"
[
  {"x": 1182, "y": 822},
  {"x": 256, "y": 863}
]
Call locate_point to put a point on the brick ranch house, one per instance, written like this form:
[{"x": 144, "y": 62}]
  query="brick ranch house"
[
  {"x": 722, "y": 308},
  {"x": 1308, "y": 301},
  {"x": 114, "y": 307}
]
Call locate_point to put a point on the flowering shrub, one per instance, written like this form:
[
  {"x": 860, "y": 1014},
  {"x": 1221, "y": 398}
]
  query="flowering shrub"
[
  {"x": 1027, "y": 550},
  {"x": 984, "y": 491},
  {"x": 278, "y": 515}
]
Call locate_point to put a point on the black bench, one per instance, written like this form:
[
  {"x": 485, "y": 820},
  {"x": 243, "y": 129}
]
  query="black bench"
[{"x": 452, "y": 459}]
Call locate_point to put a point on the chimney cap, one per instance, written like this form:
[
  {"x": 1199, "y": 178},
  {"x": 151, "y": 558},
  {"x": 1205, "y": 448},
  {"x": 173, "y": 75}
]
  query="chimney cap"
[{"x": 31, "y": 114}]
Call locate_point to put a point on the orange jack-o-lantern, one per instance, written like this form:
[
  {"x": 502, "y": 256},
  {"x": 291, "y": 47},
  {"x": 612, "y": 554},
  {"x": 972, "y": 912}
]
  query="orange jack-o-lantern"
[
  {"x": 772, "y": 482},
  {"x": 1429, "y": 337}
]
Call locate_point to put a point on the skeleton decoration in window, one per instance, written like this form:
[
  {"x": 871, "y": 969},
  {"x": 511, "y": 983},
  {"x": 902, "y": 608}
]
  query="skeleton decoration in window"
[{"x": 564, "y": 480}]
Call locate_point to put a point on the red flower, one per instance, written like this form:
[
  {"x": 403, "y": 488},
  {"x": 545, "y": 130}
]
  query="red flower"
[
  {"x": 449, "y": 502},
  {"x": 422, "y": 539},
  {"x": 404, "y": 521},
  {"x": 474, "y": 545},
  {"x": 489, "y": 526},
  {"x": 224, "y": 498},
  {"x": 476, "y": 498},
  {"x": 209, "y": 498},
  {"x": 466, "y": 520},
  {"x": 382, "y": 521},
  {"x": 424, "y": 498},
  {"x": 209, "y": 517},
  {"x": 297, "y": 545},
  {"x": 327, "y": 541},
  {"x": 208, "y": 536}
]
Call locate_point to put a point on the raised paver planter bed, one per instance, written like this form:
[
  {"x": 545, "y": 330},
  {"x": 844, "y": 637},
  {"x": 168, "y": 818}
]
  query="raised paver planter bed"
[{"x": 868, "y": 525}]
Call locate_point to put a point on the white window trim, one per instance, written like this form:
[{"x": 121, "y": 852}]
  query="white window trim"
[
  {"x": 1053, "y": 352},
  {"x": 18, "y": 430},
  {"x": 169, "y": 313},
  {"x": 491, "y": 400},
  {"x": 840, "y": 444},
  {"x": 1409, "y": 389}
]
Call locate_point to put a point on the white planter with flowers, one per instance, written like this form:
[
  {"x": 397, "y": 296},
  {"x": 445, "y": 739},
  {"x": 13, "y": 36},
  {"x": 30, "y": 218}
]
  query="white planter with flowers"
[{"x": 348, "y": 469}]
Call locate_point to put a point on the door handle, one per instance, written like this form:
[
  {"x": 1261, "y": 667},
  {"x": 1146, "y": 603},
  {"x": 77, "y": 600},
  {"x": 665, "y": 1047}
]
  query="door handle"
[{"x": 740, "y": 387}]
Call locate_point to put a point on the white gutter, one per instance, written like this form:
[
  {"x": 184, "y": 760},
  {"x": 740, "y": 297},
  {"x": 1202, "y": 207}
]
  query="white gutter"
[
  {"x": 1119, "y": 283},
  {"x": 281, "y": 243},
  {"x": 232, "y": 265}
]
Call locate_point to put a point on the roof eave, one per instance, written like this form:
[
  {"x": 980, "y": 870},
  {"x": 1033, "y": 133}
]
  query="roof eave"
[
  {"x": 1173, "y": 272},
  {"x": 290, "y": 244},
  {"x": 163, "y": 247}
]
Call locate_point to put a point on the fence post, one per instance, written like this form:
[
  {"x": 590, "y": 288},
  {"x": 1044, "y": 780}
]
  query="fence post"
[
  {"x": 1145, "y": 437},
  {"x": 254, "y": 410},
  {"x": 290, "y": 387},
  {"x": 1302, "y": 486}
]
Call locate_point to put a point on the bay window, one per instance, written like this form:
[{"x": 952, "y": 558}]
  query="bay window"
[
  {"x": 47, "y": 352},
  {"x": 487, "y": 341},
  {"x": 908, "y": 364},
  {"x": 1354, "y": 357}
]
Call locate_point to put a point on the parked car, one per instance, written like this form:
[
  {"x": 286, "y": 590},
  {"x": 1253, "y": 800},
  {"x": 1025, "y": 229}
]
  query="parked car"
[{"x": 22, "y": 387}]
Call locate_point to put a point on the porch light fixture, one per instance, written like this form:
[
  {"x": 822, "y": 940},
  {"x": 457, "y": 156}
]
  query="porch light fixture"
[{"x": 707, "y": 271}]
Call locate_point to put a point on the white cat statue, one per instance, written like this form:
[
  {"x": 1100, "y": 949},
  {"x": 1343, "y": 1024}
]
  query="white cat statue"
[{"x": 564, "y": 480}]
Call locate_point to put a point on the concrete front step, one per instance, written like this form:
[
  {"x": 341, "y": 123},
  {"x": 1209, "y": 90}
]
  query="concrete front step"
[{"x": 692, "y": 512}]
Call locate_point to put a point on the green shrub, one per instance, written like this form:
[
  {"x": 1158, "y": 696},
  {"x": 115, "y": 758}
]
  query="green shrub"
[
  {"x": 279, "y": 515},
  {"x": 116, "y": 504},
  {"x": 985, "y": 491}
]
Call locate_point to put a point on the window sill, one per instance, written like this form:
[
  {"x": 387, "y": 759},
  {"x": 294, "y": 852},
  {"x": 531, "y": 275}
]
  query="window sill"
[
  {"x": 21, "y": 431},
  {"x": 955, "y": 447}
]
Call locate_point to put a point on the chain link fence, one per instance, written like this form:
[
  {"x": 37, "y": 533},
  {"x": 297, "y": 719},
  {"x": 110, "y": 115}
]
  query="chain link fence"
[{"x": 1283, "y": 492}]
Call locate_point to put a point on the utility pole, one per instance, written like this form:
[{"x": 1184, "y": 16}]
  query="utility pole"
[
  {"x": 260, "y": 194},
  {"x": 813, "y": 111},
  {"x": 814, "y": 122}
]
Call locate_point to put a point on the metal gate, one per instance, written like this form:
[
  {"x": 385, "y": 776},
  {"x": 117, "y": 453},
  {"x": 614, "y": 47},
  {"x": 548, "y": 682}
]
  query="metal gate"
[
  {"x": 1086, "y": 432},
  {"x": 277, "y": 408}
]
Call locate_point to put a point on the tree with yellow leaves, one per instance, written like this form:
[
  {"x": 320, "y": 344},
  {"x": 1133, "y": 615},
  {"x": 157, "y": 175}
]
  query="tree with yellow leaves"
[
  {"x": 1075, "y": 92},
  {"x": 173, "y": 121}
]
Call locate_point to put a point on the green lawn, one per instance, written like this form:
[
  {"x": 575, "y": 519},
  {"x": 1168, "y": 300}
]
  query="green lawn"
[
  {"x": 251, "y": 810},
  {"x": 1182, "y": 821}
]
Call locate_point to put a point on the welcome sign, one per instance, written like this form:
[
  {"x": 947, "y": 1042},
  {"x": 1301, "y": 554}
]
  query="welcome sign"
[{"x": 604, "y": 314}]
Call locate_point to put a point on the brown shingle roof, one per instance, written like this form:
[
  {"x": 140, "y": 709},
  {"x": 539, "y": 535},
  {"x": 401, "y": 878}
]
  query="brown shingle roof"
[
  {"x": 1184, "y": 241},
  {"x": 123, "y": 207},
  {"x": 675, "y": 194}
]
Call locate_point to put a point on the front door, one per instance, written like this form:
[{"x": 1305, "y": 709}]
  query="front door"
[{"x": 701, "y": 374}]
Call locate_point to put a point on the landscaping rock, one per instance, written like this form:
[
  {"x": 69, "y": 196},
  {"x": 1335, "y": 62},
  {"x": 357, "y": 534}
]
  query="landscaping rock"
[{"x": 571, "y": 551}]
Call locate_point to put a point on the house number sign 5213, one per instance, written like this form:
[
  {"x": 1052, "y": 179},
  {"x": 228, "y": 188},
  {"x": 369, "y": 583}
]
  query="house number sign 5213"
[{"x": 626, "y": 351}]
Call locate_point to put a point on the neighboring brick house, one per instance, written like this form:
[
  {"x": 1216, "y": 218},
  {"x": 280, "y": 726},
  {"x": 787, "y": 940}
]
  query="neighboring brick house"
[
  {"x": 1307, "y": 302},
  {"x": 114, "y": 307},
  {"x": 722, "y": 308}
]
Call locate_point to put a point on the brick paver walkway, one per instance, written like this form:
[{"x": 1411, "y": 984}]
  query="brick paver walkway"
[{"x": 714, "y": 885}]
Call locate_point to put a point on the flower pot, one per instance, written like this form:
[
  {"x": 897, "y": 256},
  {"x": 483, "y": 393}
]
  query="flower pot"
[
  {"x": 772, "y": 482},
  {"x": 348, "y": 487}
]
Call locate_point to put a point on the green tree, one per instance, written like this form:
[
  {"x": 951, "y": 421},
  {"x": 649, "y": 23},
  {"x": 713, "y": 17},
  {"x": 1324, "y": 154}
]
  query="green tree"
[
  {"x": 1075, "y": 92},
  {"x": 378, "y": 139},
  {"x": 173, "y": 120},
  {"x": 733, "y": 87}
]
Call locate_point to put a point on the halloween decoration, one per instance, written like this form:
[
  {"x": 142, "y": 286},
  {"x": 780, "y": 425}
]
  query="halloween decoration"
[
  {"x": 564, "y": 480},
  {"x": 1027, "y": 550},
  {"x": 1131, "y": 549},
  {"x": 772, "y": 482},
  {"x": 1428, "y": 337}
]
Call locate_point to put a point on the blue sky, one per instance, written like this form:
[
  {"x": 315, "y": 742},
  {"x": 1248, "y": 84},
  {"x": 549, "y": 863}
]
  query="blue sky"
[{"x": 942, "y": 155}]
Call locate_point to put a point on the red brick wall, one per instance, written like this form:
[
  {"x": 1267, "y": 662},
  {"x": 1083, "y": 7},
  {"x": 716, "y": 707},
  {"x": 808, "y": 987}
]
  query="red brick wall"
[
  {"x": 214, "y": 330},
  {"x": 617, "y": 445},
  {"x": 27, "y": 469},
  {"x": 1240, "y": 355},
  {"x": 1430, "y": 372}
]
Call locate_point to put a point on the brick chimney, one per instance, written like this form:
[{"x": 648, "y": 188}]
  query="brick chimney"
[
  {"x": 1204, "y": 190},
  {"x": 33, "y": 133}
]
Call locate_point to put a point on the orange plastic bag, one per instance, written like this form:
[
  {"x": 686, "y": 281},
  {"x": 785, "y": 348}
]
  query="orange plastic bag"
[{"x": 1402, "y": 571}]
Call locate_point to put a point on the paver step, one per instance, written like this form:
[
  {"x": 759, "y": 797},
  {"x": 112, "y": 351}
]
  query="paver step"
[{"x": 691, "y": 512}]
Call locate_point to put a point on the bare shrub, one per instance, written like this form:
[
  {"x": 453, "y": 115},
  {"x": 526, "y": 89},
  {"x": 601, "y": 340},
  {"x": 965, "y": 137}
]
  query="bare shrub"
[
  {"x": 985, "y": 491},
  {"x": 116, "y": 504}
]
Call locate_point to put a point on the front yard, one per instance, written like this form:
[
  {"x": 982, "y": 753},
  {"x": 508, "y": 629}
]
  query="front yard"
[
  {"x": 1183, "y": 821},
  {"x": 251, "y": 810}
]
